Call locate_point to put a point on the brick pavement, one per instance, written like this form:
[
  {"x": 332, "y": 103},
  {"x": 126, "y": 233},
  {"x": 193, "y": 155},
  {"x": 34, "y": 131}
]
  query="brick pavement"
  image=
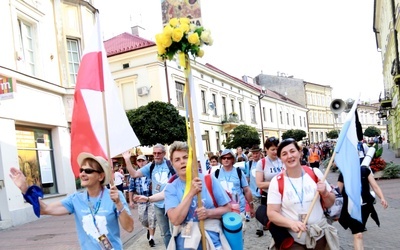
[{"x": 59, "y": 232}]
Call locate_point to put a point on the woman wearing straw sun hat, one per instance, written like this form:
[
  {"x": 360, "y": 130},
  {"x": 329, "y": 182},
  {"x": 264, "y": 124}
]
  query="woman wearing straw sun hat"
[{"x": 98, "y": 210}]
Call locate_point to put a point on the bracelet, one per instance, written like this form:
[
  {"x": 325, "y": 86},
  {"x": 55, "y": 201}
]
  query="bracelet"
[
  {"x": 148, "y": 199},
  {"x": 120, "y": 211}
]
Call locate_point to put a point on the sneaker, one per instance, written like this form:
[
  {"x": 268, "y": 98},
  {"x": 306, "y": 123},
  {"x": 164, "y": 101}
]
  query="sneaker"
[
  {"x": 151, "y": 243},
  {"x": 148, "y": 234},
  {"x": 260, "y": 233},
  {"x": 247, "y": 217}
]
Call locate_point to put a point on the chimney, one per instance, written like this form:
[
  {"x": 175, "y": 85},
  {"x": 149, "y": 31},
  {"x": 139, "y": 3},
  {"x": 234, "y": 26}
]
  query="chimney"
[{"x": 137, "y": 31}]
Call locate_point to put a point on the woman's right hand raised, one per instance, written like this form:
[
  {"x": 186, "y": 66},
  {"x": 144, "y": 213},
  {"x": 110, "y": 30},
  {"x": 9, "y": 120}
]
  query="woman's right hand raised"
[{"x": 19, "y": 179}]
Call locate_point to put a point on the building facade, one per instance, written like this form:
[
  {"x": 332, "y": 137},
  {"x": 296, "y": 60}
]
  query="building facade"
[
  {"x": 386, "y": 27},
  {"x": 222, "y": 100},
  {"x": 40, "y": 54}
]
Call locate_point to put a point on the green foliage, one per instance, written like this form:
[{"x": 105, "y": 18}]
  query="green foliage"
[
  {"x": 378, "y": 150},
  {"x": 157, "y": 122},
  {"x": 391, "y": 171},
  {"x": 333, "y": 134},
  {"x": 296, "y": 134},
  {"x": 243, "y": 136},
  {"x": 372, "y": 131}
]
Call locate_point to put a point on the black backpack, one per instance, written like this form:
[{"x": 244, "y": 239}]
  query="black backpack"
[{"x": 171, "y": 169}]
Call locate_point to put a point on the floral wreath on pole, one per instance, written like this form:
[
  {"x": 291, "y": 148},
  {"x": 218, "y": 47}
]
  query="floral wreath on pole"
[{"x": 180, "y": 37}]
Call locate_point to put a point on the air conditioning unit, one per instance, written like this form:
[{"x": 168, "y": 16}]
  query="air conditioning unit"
[{"x": 142, "y": 91}]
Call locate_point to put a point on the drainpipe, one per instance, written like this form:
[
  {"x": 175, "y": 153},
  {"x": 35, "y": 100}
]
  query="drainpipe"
[
  {"x": 396, "y": 43},
  {"x": 167, "y": 82}
]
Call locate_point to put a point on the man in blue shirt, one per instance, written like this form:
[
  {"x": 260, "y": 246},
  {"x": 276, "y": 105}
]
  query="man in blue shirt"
[
  {"x": 159, "y": 171},
  {"x": 251, "y": 176}
]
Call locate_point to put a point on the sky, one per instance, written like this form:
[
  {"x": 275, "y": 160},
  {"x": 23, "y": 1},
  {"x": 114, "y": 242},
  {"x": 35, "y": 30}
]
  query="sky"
[{"x": 323, "y": 42}]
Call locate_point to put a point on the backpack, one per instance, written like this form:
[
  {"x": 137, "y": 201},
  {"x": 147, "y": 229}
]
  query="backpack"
[
  {"x": 168, "y": 162},
  {"x": 332, "y": 213},
  {"x": 208, "y": 181},
  {"x": 239, "y": 173}
]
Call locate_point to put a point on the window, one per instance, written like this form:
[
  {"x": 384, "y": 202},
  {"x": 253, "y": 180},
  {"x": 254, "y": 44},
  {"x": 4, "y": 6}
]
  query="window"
[
  {"x": 233, "y": 105},
  {"x": 240, "y": 112},
  {"x": 35, "y": 157},
  {"x": 224, "y": 105},
  {"x": 73, "y": 60},
  {"x": 179, "y": 94},
  {"x": 281, "y": 116},
  {"x": 253, "y": 113},
  {"x": 203, "y": 101},
  {"x": 287, "y": 118},
  {"x": 270, "y": 114},
  {"x": 218, "y": 140},
  {"x": 304, "y": 122},
  {"x": 207, "y": 139},
  {"x": 27, "y": 42},
  {"x": 294, "y": 122},
  {"x": 263, "y": 113},
  {"x": 214, "y": 99},
  {"x": 300, "y": 120}
]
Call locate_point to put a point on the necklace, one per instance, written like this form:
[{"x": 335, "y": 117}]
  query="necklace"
[
  {"x": 225, "y": 175},
  {"x": 295, "y": 190},
  {"x": 275, "y": 168}
]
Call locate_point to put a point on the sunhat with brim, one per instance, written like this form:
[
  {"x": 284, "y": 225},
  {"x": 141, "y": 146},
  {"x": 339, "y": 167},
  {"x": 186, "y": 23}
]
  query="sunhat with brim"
[
  {"x": 255, "y": 148},
  {"x": 225, "y": 152},
  {"x": 102, "y": 162}
]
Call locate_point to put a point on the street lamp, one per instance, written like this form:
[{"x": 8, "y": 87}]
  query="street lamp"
[{"x": 261, "y": 96}]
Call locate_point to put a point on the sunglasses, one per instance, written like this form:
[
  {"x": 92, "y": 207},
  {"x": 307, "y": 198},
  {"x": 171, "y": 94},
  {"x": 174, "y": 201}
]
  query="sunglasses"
[
  {"x": 227, "y": 158},
  {"x": 158, "y": 153},
  {"x": 272, "y": 139},
  {"x": 289, "y": 140},
  {"x": 88, "y": 170}
]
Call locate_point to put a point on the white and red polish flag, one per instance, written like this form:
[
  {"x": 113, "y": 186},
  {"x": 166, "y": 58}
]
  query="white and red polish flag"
[{"x": 99, "y": 122}]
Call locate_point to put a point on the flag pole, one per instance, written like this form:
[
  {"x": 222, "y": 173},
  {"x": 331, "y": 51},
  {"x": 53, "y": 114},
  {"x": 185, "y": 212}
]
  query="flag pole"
[
  {"x": 107, "y": 139},
  {"x": 316, "y": 196},
  {"x": 103, "y": 95},
  {"x": 195, "y": 167}
]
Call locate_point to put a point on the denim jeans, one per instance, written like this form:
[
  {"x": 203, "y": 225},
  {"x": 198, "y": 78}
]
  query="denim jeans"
[{"x": 163, "y": 223}]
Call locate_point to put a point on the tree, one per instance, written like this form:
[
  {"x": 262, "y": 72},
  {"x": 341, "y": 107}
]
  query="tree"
[
  {"x": 243, "y": 136},
  {"x": 157, "y": 122},
  {"x": 372, "y": 131},
  {"x": 296, "y": 134},
  {"x": 333, "y": 134}
]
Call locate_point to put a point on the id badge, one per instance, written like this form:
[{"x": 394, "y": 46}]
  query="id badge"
[
  {"x": 187, "y": 229},
  {"x": 158, "y": 187},
  {"x": 105, "y": 243}
]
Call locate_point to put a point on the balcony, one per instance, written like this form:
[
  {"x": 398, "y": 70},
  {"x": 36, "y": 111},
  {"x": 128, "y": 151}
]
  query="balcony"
[{"x": 229, "y": 122}]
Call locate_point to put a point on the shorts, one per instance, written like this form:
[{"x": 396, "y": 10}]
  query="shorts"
[{"x": 147, "y": 215}]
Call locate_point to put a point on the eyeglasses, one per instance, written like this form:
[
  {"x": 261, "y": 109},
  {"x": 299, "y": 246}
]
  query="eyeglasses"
[
  {"x": 226, "y": 158},
  {"x": 88, "y": 170},
  {"x": 158, "y": 153}
]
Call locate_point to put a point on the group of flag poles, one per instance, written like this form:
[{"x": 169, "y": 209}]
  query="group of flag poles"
[{"x": 111, "y": 134}]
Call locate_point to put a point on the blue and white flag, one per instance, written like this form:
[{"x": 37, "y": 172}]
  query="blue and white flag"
[{"x": 348, "y": 161}]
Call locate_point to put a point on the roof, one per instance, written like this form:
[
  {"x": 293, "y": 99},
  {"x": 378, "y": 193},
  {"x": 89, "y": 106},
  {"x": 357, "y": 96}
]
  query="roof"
[
  {"x": 125, "y": 42},
  {"x": 267, "y": 92}
]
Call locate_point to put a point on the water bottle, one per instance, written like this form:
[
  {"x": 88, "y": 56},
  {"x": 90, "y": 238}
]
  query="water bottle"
[{"x": 235, "y": 203}]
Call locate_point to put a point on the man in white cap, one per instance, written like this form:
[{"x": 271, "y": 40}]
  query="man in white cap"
[{"x": 142, "y": 186}]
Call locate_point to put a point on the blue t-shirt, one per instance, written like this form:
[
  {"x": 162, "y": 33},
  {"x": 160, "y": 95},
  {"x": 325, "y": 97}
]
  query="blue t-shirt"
[
  {"x": 106, "y": 218},
  {"x": 174, "y": 195},
  {"x": 230, "y": 182},
  {"x": 159, "y": 178},
  {"x": 251, "y": 173}
]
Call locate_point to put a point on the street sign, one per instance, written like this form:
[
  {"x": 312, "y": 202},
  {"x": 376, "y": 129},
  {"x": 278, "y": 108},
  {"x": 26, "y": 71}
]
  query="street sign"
[{"x": 7, "y": 87}]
